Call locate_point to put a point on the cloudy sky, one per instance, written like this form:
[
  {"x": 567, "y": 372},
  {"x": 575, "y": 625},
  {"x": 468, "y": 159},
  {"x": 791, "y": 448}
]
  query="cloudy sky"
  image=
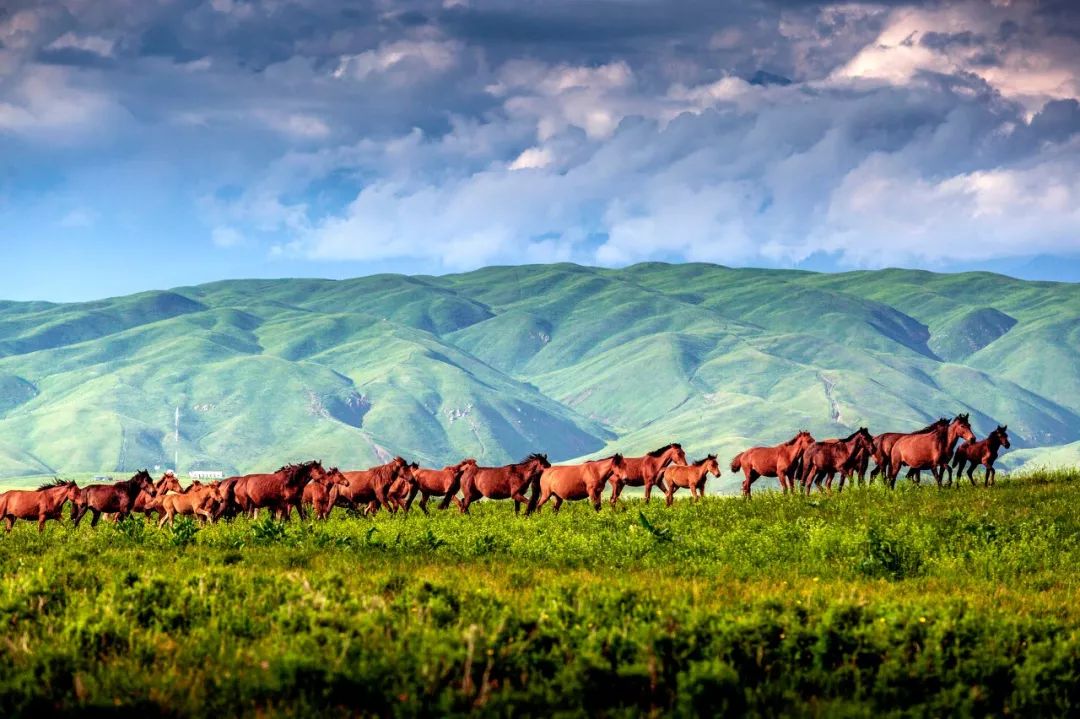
[{"x": 154, "y": 143}]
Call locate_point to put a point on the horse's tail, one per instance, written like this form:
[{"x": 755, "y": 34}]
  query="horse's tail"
[{"x": 736, "y": 464}]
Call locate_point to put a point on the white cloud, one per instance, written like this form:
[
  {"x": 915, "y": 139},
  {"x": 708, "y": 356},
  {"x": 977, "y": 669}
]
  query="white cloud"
[
  {"x": 227, "y": 237},
  {"x": 532, "y": 159},
  {"x": 45, "y": 102},
  {"x": 87, "y": 43},
  {"x": 426, "y": 57}
]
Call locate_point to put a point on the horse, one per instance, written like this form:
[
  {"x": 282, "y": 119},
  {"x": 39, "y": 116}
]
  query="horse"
[
  {"x": 44, "y": 503},
  {"x": 581, "y": 481},
  {"x": 646, "y": 471},
  {"x": 824, "y": 459},
  {"x": 984, "y": 452},
  {"x": 772, "y": 462},
  {"x": 374, "y": 485},
  {"x": 226, "y": 504},
  {"x": 148, "y": 502},
  {"x": 278, "y": 490},
  {"x": 506, "y": 482},
  {"x": 928, "y": 450},
  {"x": 690, "y": 476},
  {"x": 443, "y": 483},
  {"x": 322, "y": 493},
  {"x": 883, "y": 448},
  {"x": 197, "y": 500},
  {"x": 117, "y": 498}
]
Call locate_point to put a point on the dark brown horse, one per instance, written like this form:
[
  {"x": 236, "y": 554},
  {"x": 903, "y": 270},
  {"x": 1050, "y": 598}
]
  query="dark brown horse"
[
  {"x": 277, "y": 491},
  {"x": 984, "y": 452},
  {"x": 778, "y": 461},
  {"x": 691, "y": 477},
  {"x": 824, "y": 459},
  {"x": 507, "y": 482},
  {"x": 928, "y": 450},
  {"x": 580, "y": 481},
  {"x": 645, "y": 471},
  {"x": 117, "y": 498},
  {"x": 42, "y": 504},
  {"x": 373, "y": 485},
  {"x": 149, "y": 501},
  {"x": 443, "y": 483},
  {"x": 883, "y": 448}
]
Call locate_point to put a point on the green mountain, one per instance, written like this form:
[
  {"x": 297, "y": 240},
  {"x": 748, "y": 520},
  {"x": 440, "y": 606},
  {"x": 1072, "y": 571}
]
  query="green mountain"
[{"x": 502, "y": 361}]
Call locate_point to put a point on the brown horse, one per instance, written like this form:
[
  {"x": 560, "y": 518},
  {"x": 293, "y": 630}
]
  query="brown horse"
[
  {"x": 776, "y": 461},
  {"x": 197, "y": 500},
  {"x": 984, "y": 452},
  {"x": 42, "y": 504},
  {"x": 149, "y": 501},
  {"x": 117, "y": 498},
  {"x": 278, "y": 490},
  {"x": 443, "y": 483},
  {"x": 506, "y": 482},
  {"x": 691, "y": 477},
  {"x": 373, "y": 485},
  {"x": 581, "y": 481},
  {"x": 646, "y": 471},
  {"x": 322, "y": 493},
  {"x": 883, "y": 448},
  {"x": 928, "y": 450},
  {"x": 825, "y": 459}
]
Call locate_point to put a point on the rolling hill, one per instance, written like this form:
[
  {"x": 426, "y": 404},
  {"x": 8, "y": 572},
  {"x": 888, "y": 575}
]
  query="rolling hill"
[{"x": 502, "y": 361}]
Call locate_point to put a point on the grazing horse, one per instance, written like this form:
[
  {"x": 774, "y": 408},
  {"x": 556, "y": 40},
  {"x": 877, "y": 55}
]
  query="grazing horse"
[
  {"x": 322, "y": 493},
  {"x": 278, "y": 490},
  {"x": 883, "y": 448},
  {"x": 928, "y": 450},
  {"x": 984, "y": 452},
  {"x": 775, "y": 461},
  {"x": 506, "y": 482},
  {"x": 581, "y": 481},
  {"x": 443, "y": 483},
  {"x": 373, "y": 485},
  {"x": 824, "y": 459},
  {"x": 117, "y": 498},
  {"x": 647, "y": 470},
  {"x": 42, "y": 504},
  {"x": 692, "y": 477}
]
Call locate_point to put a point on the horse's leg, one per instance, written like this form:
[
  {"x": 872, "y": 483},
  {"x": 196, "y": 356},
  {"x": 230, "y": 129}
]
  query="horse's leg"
[
  {"x": 423, "y": 502},
  {"x": 95, "y": 516},
  {"x": 669, "y": 494},
  {"x": 41, "y": 523},
  {"x": 411, "y": 497},
  {"x": 616, "y": 490},
  {"x": 751, "y": 475},
  {"x": 597, "y": 497},
  {"x": 9, "y": 522}
]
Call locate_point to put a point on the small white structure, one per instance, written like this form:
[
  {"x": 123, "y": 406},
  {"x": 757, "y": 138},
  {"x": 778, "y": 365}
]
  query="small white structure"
[{"x": 207, "y": 474}]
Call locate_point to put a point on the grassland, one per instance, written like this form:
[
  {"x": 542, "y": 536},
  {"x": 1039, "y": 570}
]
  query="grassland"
[
  {"x": 867, "y": 603},
  {"x": 497, "y": 363}
]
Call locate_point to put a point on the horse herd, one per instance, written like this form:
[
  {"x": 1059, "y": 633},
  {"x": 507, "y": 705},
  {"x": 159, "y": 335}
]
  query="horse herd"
[{"x": 532, "y": 482}]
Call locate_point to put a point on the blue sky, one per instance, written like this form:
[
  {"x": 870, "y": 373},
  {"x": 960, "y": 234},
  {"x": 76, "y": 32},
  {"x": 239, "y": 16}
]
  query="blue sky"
[{"x": 155, "y": 144}]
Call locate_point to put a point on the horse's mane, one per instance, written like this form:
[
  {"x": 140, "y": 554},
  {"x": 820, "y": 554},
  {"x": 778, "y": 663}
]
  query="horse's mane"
[
  {"x": 704, "y": 459},
  {"x": 605, "y": 459},
  {"x": 55, "y": 482},
  {"x": 292, "y": 471},
  {"x": 658, "y": 452},
  {"x": 537, "y": 456},
  {"x": 792, "y": 440},
  {"x": 931, "y": 427},
  {"x": 851, "y": 436}
]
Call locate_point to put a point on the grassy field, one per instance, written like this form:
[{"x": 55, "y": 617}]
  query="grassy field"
[{"x": 868, "y": 603}]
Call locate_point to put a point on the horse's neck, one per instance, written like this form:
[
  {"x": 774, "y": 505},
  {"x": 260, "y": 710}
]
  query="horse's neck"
[
  {"x": 993, "y": 443},
  {"x": 55, "y": 497}
]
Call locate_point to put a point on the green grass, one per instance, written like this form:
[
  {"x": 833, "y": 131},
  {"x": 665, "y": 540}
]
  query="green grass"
[{"x": 867, "y": 603}]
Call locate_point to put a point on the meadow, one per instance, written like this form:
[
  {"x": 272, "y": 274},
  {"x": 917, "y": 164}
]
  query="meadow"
[{"x": 917, "y": 601}]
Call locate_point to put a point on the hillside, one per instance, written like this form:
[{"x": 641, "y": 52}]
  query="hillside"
[{"x": 505, "y": 360}]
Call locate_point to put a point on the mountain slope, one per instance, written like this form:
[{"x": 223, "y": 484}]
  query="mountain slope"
[{"x": 502, "y": 361}]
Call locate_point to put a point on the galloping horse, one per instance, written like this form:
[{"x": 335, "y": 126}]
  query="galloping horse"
[
  {"x": 984, "y": 452},
  {"x": 883, "y": 448},
  {"x": 278, "y": 490},
  {"x": 772, "y": 462},
  {"x": 692, "y": 477},
  {"x": 580, "y": 481},
  {"x": 506, "y": 482},
  {"x": 42, "y": 504},
  {"x": 645, "y": 471},
  {"x": 928, "y": 450},
  {"x": 373, "y": 485},
  {"x": 825, "y": 459},
  {"x": 117, "y": 498},
  {"x": 443, "y": 483}
]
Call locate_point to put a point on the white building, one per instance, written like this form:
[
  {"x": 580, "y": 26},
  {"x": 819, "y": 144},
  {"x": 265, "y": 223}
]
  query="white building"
[{"x": 207, "y": 474}]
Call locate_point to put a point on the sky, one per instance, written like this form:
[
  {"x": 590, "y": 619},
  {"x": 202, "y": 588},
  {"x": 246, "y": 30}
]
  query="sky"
[{"x": 157, "y": 143}]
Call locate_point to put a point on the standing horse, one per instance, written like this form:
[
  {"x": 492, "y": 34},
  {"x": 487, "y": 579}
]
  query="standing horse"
[
  {"x": 443, "y": 483},
  {"x": 692, "y": 477},
  {"x": 149, "y": 501},
  {"x": 321, "y": 493},
  {"x": 984, "y": 452},
  {"x": 581, "y": 481},
  {"x": 883, "y": 448},
  {"x": 117, "y": 498},
  {"x": 646, "y": 471},
  {"x": 197, "y": 500},
  {"x": 42, "y": 504},
  {"x": 506, "y": 482},
  {"x": 928, "y": 450},
  {"x": 778, "y": 461},
  {"x": 277, "y": 491},
  {"x": 373, "y": 485},
  {"x": 825, "y": 459}
]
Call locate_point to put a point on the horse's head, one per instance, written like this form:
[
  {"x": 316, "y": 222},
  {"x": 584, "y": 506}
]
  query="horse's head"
[
  {"x": 617, "y": 467},
  {"x": 864, "y": 441},
  {"x": 678, "y": 456},
  {"x": 71, "y": 491},
  {"x": 465, "y": 465},
  {"x": 710, "y": 464},
  {"x": 803, "y": 440},
  {"x": 143, "y": 481},
  {"x": 1003, "y": 434},
  {"x": 335, "y": 477},
  {"x": 535, "y": 463},
  {"x": 961, "y": 427},
  {"x": 168, "y": 483}
]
